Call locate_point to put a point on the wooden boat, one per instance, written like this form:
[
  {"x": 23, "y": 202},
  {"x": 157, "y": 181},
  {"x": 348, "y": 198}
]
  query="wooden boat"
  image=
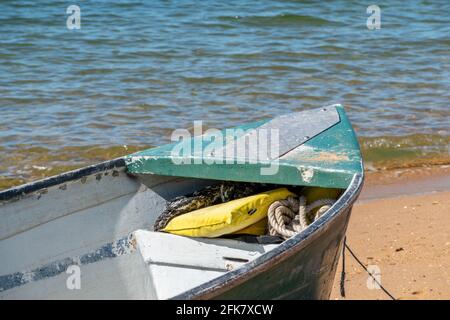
[{"x": 87, "y": 234}]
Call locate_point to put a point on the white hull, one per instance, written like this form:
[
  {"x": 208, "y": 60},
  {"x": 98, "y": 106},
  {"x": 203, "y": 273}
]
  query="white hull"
[{"x": 100, "y": 223}]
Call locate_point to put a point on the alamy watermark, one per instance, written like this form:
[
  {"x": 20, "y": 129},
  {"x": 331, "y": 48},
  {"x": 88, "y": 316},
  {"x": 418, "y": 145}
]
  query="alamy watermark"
[
  {"x": 73, "y": 21},
  {"x": 374, "y": 280},
  {"x": 73, "y": 281},
  {"x": 374, "y": 20},
  {"x": 231, "y": 146}
]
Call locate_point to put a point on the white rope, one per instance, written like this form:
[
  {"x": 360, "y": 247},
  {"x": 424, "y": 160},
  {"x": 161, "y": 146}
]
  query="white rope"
[{"x": 290, "y": 216}]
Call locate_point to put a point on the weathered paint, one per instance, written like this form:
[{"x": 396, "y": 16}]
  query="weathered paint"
[
  {"x": 306, "y": 174},
  {"x": 17, "y": 192},
  {"x": 333, "y": 155},
  {"x": 114, "y": 249},
  {"x": 292, "y": 129}
]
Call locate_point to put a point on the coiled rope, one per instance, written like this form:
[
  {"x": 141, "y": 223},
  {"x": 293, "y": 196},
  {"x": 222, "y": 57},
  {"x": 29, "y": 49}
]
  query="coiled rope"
[{"x": 292, "y": 215}]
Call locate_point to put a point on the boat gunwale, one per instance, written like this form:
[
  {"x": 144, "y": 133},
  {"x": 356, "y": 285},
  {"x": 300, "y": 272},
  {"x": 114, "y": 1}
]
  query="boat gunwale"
[
  {"x": 231, "y": 279},
  {"x": 27, "y": 188}
]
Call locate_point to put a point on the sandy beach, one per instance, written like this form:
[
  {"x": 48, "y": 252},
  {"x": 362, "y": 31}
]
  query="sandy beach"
[{"x": 401, "y": 225}]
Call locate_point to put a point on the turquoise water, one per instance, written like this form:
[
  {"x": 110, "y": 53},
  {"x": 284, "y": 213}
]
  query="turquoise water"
[{"x": 136, "y": 70}]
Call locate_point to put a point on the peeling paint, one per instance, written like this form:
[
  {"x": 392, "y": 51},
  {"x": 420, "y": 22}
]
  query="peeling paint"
[
  {"x": 307, "y": 174},
  {"x": 329, "y": 157},
  {"x": 41, "y": 193},
  {"x": 33, "y": 188}
]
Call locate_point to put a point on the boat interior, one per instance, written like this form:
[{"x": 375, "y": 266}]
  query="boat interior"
[{"x": 103, "y": 223}]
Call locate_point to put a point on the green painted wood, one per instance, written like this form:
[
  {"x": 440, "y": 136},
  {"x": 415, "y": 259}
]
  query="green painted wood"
[{"x": 329, "y": 159}]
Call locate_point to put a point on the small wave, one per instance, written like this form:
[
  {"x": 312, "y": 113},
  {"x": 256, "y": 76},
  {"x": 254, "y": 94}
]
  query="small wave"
[
  {"x": 217, "y": 25},
  {"x": 127, "y": 4},
  {"x": 96, "y": 71},
  {"x": 406, "y": 151},
  {"x": 101, "y": 41},
  {"x": 278, "y": 67},
  {"x": 216, "y": 80},
  {"x": 26, "y": 21},
  {"x": 280, "y": 20}
]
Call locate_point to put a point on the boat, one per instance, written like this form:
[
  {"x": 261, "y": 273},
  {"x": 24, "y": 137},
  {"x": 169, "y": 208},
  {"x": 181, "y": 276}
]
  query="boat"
[{"x": 88, "y": 233}]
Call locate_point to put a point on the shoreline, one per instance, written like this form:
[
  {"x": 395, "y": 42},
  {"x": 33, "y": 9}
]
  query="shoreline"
[{"x": 403, "y": 182}]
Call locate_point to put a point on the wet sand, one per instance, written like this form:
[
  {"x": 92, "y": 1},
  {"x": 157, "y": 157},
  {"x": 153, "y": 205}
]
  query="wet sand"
[{"x": 401, "y": 224}]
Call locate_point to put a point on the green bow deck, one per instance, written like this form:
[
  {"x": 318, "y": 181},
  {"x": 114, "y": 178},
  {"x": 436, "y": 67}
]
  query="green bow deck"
[{"x": 315, "y": 148}]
